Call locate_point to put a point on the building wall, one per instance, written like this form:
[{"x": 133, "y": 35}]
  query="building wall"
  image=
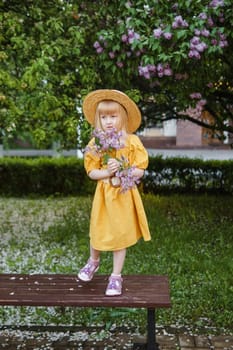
[
  {"x": 188, "y": 134},
  {"x": 182, "y": 133}
]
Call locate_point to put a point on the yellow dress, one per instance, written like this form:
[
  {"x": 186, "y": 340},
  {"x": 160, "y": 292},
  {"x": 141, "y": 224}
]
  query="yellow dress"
[{"x": 118, "y": 220}]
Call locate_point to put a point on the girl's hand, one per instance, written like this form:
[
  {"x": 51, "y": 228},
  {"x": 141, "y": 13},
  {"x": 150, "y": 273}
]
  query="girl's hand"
[{"x": 112, "y": 166}]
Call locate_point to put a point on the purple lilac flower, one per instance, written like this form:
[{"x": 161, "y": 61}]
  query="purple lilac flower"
[
  {"x": 132, "y": 36},
  {"x": 159, "y": 68},
  {"x": 167, "y": 71},
  {"x": 167, "y": 35},
  {"x": 214, "y": 42},
  {"x": 205, "y": 32},
  {"x": 196, "y": 46},
  {"x": 152, "y": 68},
  {"x": 202, "y": 15},
  {"x": 99, "y": 50},
  {"x": 202, "y": 103},
  {"x": 198, "y": 96},
  {"x": 179, "y": 22},
  {"x": 194, "y": 54},
  {"x": 223, "y": 43},
  {"x": 96, "y": 44},
  {"x": 130, "y": 33},
  {"x": 136, "y": 36},
  {"x": 222, "y": 36},
  {"x": 164, "y": 70},
  {"x": 98, "y": 47},
  {"x": 195, "y": 40},
  {"x": 124, "y": 38},
  {"x": 107, "y": 140},
  {"x": 201, "y": 47},
  {"x": 120, "y": 64},
  {"x": 149, "y": 71},
  {"x": 196, "y": 111},
  {"x": 157, "y": 33},
  {"x": 128, "y": 179},
  {"x": 210, "y": 22},
  {"x": 216, "y": 3},
  {"x": 144, "y": 71},
  {"x": 195, "y": 95},
  {"x": 111, "y": 54}
]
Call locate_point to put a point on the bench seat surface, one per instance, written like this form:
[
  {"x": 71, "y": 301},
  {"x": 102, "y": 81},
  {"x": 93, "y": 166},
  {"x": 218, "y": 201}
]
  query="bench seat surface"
[{"x": 146, "y": 291}]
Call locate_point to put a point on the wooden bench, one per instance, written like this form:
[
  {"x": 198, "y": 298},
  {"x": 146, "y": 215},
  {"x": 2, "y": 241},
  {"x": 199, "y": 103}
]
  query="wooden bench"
[{"x": 139, "y": 291}]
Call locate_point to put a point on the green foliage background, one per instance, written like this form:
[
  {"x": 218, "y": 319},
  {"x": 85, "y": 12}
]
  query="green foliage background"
[{"x": 48, "y": 62}]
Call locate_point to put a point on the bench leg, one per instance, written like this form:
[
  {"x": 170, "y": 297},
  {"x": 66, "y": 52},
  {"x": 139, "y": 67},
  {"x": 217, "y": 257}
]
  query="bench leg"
[{"x": 151, "y": 337}]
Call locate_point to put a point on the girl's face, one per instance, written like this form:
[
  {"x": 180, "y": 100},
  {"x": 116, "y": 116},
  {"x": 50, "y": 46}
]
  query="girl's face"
[
  {"x": 110, "y": 115},
  {"x": 110, "y": 121}
]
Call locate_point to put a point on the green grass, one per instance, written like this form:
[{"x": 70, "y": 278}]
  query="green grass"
[{"x": 192, "y": 241}]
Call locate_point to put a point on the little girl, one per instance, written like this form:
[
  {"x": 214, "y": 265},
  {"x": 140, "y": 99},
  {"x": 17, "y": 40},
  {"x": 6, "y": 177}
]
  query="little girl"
[{"x": 118, "y": 218}]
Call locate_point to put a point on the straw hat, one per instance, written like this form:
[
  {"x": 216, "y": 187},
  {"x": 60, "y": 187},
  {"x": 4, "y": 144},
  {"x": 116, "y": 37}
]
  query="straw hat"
[{"x": 93, "y": 98}]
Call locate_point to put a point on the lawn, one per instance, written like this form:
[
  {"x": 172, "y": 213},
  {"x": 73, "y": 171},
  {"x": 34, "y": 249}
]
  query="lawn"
[{"x": 192, "y": 241}]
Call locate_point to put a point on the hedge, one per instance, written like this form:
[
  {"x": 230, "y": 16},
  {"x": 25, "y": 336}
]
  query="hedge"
[
  {"x": 189, "y": 175},
  {"x": 44, "y": 176},
  {"x": 66, "y": 176}
]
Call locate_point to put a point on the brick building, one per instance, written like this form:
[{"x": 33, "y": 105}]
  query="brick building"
[{"x": 182, "y": 134}]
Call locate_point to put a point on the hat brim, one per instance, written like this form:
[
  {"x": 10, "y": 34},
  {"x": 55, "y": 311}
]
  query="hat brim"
[{"x": 93, "y": 98}]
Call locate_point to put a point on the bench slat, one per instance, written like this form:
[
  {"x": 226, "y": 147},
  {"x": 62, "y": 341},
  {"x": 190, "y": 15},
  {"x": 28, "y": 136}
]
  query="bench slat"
[{"x": 146, "y": 291}]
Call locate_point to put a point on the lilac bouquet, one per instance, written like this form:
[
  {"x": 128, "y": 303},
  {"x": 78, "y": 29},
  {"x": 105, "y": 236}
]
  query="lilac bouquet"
[
  {"x": 106, "y": 144},
  {"x": 125, "y": 175}
]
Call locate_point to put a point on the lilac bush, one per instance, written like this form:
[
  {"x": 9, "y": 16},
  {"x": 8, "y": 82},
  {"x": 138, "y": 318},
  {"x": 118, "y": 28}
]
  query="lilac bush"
[{"x": 178, "y": 47}]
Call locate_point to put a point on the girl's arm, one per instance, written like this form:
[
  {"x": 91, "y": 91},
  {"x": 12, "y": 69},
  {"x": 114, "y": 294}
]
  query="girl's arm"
[
  {"x": 138, "y": 172},
  {"x": 112, "y": 167},
  {"x": 99, "y": 174}
]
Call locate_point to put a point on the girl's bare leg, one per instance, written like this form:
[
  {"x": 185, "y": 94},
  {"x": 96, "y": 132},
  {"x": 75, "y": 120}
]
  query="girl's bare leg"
[
  {"x": 95, "y": 254},
  {"x": 114, "y": 286},
  {"x": 118, "y": 261}
]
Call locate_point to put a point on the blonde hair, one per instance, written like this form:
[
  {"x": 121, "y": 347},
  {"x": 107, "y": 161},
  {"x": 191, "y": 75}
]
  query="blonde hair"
[{"x": 111, "y": 107}]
